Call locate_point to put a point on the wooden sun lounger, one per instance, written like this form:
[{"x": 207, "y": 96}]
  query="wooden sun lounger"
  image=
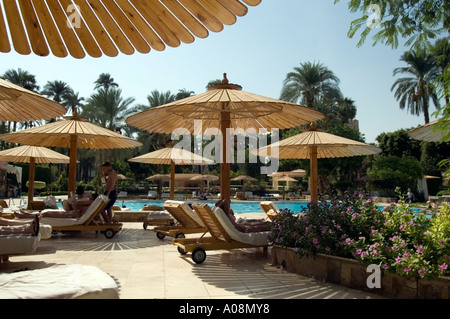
[
  {"x": 270, "y": 208},
  {"x": 86, "y": 222},
  {"x": 187, "y": 222},
  {"x": 223, "y": 235}
]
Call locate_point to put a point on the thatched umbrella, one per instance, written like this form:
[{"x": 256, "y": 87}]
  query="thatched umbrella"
[
  {"x": 432, "y": 132},
  {"x": 172, "y": 156},
  {"x": 72, "y": 132},
  {"x": 32, "y": 155},
  {"x": 313, "y": 144}
]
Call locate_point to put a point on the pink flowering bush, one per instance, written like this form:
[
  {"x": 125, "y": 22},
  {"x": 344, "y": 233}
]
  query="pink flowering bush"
[
  {"x": 411, "y": 244},
  {"x": 396, "y": 238}
]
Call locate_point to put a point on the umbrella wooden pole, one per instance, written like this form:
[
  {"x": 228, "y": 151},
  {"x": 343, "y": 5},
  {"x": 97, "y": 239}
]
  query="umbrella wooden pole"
[
  {"x": 31, "y": 177},
  {"x": 314, "y": 174},
  {"x": 172, "y": 179},
  {"x": 72, "y": 164},
  {"x": 225, "y": 123}
]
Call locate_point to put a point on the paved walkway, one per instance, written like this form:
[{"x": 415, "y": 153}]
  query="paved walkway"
[{"x": 146, "y": 267}]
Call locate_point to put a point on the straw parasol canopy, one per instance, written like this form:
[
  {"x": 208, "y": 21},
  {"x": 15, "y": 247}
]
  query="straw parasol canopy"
[
  {"x": 121, "y": 177},
  {"x": 313, "y": 144},
  {"x": 224, "y": 106},
  {"x": 172, "y": 156},
  {"x": 32, "y": 155},
  {"x": 18, "y": 104},
  {"x": 159, "y": 177},
  {"x": 72, "y": 132},
  {"x": 79, "y": 28},
  {"x": 285, "y": 179},
  {"x": 205, "y": 177},
  {"x": 431, "y": 132},
  {"x": 243, "y": 178}
]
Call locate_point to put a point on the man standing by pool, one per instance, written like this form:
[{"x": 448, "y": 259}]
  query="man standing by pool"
[{"x": 110, "y": 190}]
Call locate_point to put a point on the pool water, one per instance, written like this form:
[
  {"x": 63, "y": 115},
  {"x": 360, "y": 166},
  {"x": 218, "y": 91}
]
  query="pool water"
[{"x": 237, "y": 206}]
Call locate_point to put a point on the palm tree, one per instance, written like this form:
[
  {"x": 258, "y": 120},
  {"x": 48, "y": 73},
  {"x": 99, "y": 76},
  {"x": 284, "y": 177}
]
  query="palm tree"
[
  {"x": 156, "y": 98},
  {"x": 346, "y": 110},
  {"x": 415, "y": 91},
  {"x": 72, "y": 101},
  {"x": 108, "y": 108},
  {"x": 105, "y": 81},
  {"x": 308, "y": 83},
  {"x": 183, "y": 93},
  {"x": 56, "y": 90},
  {"x": 21, "y": 78},
  {"x": 154, "y": 141}
]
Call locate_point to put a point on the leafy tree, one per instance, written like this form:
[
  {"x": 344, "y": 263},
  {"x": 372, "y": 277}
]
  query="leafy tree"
[
  {"x": 417, "y": 20},
  {"x": 441, "y": 52},
  {"x": 399, "y": 144},
  {"x": 415, "y": 91},
  {"x": 389, "y": 172}
]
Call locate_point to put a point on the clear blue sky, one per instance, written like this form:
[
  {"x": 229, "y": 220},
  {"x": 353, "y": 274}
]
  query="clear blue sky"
[{"x": 256, "y": 52}]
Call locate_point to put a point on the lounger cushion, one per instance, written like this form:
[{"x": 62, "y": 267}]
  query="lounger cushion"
[
  {"x": 45, "y": 230},
  {"x": 188, "y": 210},
  {"x": 16, "y": 244},
  {"x": 257, "y": 239},
  {"x": 159, "y": 215},
  {"x": 59, "y": 282}
]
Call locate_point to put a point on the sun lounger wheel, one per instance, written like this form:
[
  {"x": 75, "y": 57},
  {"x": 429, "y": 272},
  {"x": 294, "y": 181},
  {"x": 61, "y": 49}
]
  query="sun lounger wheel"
[
  {"x": 160, "y": 235},
  {"x": 198, "y": 255},
  {"x": 144, "y": 225},
  {"x": 109, "y": 233},
  {"x": 181, "y": 250}
]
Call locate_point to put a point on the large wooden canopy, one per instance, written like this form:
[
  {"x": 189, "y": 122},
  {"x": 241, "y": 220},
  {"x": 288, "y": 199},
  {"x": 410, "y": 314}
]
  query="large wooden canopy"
[
  {"x": 18, "y": 104},
  {"x": 96, "y": 27},
  {"x": 224, "y": 106}
]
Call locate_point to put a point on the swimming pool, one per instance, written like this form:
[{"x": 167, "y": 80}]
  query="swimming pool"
[{"x": 237, "y": 206}]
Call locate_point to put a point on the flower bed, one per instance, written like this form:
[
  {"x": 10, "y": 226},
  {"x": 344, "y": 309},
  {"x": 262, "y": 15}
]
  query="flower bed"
[
  {"x": 350, "y": 273},
  {"x": 398, "y": 240}
]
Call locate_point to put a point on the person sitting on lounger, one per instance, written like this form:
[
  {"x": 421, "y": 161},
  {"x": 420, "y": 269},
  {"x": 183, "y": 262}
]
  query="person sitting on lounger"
[
  {"x": 84, "y": 197},
  {"x": 70, "y": 211},
  {"x": 244, "y": 226},
  {"x": 10, "y": 226}
]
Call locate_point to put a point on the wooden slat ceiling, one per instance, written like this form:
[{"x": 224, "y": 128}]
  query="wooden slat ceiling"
[{"x": 96, "y": 27}]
